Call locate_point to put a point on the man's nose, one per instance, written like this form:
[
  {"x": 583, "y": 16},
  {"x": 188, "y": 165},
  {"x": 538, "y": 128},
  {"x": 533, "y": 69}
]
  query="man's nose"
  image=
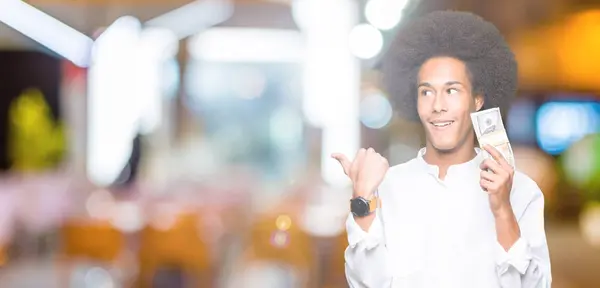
[{"x": 439, "y": 103}]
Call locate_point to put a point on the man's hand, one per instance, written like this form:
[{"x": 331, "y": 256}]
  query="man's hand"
[
  {"x": 497, "y": 179},
  {"x": 366, "y": 171}
]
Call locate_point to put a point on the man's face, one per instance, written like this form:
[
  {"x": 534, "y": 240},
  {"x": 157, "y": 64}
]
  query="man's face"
[{"x": 445, "y": 102}]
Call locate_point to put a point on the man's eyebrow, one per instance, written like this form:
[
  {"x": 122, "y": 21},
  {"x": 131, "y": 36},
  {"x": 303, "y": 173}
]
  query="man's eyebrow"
[
  {"x": 449, "y": 83},
  {"x": 453, "y": 83}
]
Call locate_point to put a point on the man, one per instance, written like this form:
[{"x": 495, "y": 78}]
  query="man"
[{"x": 449, "y": 217}]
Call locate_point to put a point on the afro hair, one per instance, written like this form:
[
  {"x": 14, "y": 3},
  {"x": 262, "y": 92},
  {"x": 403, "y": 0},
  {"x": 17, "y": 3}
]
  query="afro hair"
[{"x": 467, "y": 37}]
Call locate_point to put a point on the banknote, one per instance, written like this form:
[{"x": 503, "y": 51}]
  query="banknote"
[{"x": 489, "y": 129}]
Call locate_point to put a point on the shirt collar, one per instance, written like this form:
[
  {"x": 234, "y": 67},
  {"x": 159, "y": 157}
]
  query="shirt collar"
[{"x": 467, "y": 166}]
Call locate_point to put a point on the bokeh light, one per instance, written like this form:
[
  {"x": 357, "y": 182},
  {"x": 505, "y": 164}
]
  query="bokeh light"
[
  {"x": 540, "y": 167},
  {"x": 127, "y": 217},
  {"x": 100, "y": 205},
  {"x": 365, "y": 41},
  {"x": 375, "y": 111},
  {"x": 581, "y": 163},
  {"x": 590, "y": 223},
  {"x": 283, "y": 222},
  {"x": 280, "y": 239},
  {"x": 385, "y": 14},
  {"x": 559, "y": 124}
]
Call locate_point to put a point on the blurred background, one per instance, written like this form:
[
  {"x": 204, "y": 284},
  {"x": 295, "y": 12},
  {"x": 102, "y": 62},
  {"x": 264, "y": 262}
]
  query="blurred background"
[{"x": 148, "y": 143}]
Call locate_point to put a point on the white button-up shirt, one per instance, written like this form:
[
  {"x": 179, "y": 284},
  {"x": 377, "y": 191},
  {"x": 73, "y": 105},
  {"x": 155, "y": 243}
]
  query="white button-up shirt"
[{"x": 441, "y": 233}]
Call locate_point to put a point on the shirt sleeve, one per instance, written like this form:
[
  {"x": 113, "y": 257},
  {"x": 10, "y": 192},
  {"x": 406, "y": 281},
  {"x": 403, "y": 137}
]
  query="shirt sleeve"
[
  {"x": 527, "y": 263},
  {"x": 366, "y": 256}
]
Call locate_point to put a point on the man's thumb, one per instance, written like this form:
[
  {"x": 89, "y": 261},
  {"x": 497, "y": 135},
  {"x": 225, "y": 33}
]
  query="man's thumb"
[{"x": 343, "y": 161}]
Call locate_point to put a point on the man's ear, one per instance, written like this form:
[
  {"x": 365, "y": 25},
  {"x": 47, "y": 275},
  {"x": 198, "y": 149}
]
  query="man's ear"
[{"x": 479, "y": 100}]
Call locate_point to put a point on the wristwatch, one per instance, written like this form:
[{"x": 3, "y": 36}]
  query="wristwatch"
[{"x": 362, "y": 207}]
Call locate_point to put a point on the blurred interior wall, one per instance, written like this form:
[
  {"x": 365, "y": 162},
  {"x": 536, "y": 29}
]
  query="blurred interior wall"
[{"x": 22, "y": 70}]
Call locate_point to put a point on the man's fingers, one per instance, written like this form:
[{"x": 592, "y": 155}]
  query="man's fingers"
[
  {"x": 360, "y": 155},
  {"x": 351, "y": 167},
  {"x": 488, "y": 176},
  {"x": 485, "y": 185},
  {"x": 496, "y": 155},
  {"x": 493, "y": 166},
  {"x": 343, "y": 161},
  {"x": 358, "y": 159}
]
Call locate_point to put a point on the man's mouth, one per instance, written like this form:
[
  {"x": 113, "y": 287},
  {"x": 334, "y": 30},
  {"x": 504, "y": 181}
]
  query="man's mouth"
[{"x": 442, "y": 124}]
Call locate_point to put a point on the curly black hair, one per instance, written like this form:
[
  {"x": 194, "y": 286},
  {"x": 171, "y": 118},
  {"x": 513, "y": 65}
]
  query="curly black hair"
[{"x": 465, "y": 36}]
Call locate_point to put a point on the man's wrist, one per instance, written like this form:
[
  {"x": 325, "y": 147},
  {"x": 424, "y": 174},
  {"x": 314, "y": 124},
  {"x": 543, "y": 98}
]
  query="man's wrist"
[
  {"x": 507, "y": 228},
  {"x": 360, "y": 191},
  {"x": 506, "y": 212}
]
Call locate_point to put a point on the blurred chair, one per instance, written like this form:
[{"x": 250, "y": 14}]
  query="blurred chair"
[
  {"x": 93, "y": 240},
  {"x": 176, "y": 248},
  {"x": 89, "y": 242},
  {"x": 277, "y": 246},
  {"x": 3, "y": 255}
]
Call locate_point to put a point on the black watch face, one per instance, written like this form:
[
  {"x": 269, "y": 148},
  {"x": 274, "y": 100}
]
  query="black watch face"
[{"x": 359, "y": 207}]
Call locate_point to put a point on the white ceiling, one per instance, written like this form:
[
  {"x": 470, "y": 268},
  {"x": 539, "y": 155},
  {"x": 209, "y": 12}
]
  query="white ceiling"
[
  {"x": 85, "y": 18},
  {"x": 88, "y": 18}
]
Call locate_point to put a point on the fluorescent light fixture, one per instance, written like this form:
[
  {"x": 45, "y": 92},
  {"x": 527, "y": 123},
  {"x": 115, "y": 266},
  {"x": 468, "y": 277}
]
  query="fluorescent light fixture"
[
  {"x": 156, "y": 46},
  {"x": 124, "y": 93},
  {"x": 247, "y": 45},
  {"x": 187, "y": 20},
  {"x": 113, "y": 115},
  {"x": 46, "y": 30}
]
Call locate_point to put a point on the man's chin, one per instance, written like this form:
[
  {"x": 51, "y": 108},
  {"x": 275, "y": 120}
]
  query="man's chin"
[{"x": 444, "y": 148}]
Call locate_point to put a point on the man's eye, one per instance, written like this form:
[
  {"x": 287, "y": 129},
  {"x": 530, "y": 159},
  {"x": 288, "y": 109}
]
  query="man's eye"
[
  {"x": 452, "y": 91},
  {"x": 426, "y": 92}
]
